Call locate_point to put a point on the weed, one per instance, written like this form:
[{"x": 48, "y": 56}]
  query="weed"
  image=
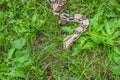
[{"x": 31, "y": 41}]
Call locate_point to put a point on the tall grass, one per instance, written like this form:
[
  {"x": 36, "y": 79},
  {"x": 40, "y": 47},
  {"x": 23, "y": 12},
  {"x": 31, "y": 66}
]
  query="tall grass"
[{"x": 31, "y": 41}]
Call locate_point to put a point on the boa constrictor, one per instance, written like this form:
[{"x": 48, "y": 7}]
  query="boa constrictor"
[{"x": 57, "y": 6}]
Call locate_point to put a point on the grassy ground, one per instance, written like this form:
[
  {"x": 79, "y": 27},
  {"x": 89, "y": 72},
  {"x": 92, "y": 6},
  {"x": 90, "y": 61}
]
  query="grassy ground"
[{"x": 31, "y": 41}]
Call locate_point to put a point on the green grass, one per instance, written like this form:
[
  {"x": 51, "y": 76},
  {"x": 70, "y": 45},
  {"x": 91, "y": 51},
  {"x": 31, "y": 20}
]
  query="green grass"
[{"x": 31, "y": 41}]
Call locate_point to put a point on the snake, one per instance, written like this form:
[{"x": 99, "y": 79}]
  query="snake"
[{"x": 64, "y": 18}]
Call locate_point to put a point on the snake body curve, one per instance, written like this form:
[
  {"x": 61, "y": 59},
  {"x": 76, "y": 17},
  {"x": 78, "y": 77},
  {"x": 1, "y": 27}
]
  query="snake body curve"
[{"x": 57, "y": 6}]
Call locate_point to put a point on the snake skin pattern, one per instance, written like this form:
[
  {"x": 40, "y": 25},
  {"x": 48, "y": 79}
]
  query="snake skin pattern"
[{"x": 57, "y": 6}]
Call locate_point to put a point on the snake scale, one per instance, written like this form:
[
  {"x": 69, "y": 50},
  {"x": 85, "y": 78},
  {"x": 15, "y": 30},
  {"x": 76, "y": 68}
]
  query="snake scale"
[{"x": 64, "y": 18}]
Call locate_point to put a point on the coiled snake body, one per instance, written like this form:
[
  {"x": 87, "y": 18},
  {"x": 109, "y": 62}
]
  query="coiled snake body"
[{"x": 57, "y": 6}]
